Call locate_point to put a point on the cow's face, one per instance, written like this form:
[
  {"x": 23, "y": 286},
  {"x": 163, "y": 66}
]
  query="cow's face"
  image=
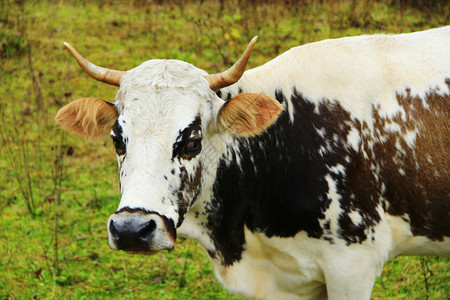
[
  {"x": 165, "y": 109},
  {"x": 163, "y": 125}
]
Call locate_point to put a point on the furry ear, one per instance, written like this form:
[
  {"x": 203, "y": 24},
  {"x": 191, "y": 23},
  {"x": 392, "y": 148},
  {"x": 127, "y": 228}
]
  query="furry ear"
[
  {"x": 87, "y": 117},
  {"x": 247, "y": 115}
]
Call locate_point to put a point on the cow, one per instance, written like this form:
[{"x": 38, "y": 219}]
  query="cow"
[{"x": 300, "y": 177}]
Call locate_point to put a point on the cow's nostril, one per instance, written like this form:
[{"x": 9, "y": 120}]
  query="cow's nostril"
[
  {"x": 113, "y": 231},
  {"x": 146, "y": 232}
]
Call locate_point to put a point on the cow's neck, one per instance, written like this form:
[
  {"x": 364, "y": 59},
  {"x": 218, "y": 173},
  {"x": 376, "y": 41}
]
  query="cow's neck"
[{"x": 274, "y": 183}]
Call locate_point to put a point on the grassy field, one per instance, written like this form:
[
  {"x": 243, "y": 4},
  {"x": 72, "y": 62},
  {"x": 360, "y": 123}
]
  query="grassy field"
[{"x": 57, "y": 191}]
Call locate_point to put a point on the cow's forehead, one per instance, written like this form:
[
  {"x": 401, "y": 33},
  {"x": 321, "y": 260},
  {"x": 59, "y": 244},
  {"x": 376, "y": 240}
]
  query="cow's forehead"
[
  {"x": 164, "y": 93},
  {"x": 161, "y": 74}
]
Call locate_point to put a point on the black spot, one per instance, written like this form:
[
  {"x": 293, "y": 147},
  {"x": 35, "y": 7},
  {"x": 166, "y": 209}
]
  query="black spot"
[
  {"x": 212, "y": 253},
  {"x": 227, "y": 97},
  {"x": 118, "y": 140},
  {"x": 135, "y": 210},
  {"x": 326, "y": 225},
  {"x": 172, "y": 171},
  {"x": 279, "y": 96},
  {"x": 165, "y": 177},
  {"x": 327, "y": 238},
  {"x": 109, "y": 103}
]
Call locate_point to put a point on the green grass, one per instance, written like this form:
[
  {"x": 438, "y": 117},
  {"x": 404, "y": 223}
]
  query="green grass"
[{"x": 57, "y": 191}]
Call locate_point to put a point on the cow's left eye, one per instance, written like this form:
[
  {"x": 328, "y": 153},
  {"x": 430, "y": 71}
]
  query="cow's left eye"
[{"x": 192, "y": 147}]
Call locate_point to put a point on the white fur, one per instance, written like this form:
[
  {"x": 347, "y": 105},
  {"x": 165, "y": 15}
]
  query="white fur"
[{"x": 356, "y": 217}]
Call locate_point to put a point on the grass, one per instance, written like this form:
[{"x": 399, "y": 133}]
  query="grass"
[{"x": 57, "y": 191}]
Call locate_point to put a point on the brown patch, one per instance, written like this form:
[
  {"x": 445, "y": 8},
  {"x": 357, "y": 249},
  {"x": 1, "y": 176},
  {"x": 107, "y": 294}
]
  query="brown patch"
[
  {"x": 87, "y": 117},
  {"x": 189, "y": 190},
  {"x": 415, "y": 178},
  {"x": 357, "y": 185},
  {"x": 247, "y": 115},
  {"x": 422, "y": 191}
]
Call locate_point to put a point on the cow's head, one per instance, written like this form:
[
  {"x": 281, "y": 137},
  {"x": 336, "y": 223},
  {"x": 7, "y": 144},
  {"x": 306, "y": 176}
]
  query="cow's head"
[{"x": 165, "y": 124}]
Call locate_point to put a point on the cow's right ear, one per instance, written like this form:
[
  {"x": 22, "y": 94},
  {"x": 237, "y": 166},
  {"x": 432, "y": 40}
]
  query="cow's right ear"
[{"x": 87, "y": 117}]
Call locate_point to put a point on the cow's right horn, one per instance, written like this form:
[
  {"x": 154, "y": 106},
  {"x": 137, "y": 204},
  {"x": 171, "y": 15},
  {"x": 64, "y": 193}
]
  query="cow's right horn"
[
  {"x": 105, "y": 75},
  {"x": 233, "y": 74}
]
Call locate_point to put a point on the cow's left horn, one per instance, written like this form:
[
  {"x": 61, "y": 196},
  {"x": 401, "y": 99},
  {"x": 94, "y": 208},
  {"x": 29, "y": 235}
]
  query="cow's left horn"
[
  {"x": 105, "y": 75},
  {"x": 233, "y": 74}
]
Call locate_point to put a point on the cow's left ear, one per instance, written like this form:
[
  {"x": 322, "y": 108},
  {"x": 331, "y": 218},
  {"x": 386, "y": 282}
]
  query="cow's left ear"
[{"x": 248, "y": 115}]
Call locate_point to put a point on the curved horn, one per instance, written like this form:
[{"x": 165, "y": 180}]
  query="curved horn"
[
  {"x": 101, "y": 74},
  {"x": 233, "y": 74}
]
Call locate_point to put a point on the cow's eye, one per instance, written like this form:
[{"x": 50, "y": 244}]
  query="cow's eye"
[{"x": 192, "y": 147}]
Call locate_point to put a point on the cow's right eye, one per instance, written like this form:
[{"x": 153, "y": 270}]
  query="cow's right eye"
[{"x": 119, "y": 145}]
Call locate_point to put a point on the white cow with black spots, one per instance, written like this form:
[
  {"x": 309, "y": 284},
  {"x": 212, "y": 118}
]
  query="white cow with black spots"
[{"x": 300, "y": 177}]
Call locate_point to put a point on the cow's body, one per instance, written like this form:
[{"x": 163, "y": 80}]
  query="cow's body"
[{"x": 354, "y": 172}]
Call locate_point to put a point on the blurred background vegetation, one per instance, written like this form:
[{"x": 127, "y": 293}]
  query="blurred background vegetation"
[{"x": 57, "y": 191}]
